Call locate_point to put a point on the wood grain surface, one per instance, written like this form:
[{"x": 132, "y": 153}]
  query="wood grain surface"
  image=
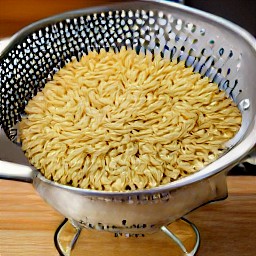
[
  {"x": 227, "y": 228},
  {"x": 14, "y": 15}
]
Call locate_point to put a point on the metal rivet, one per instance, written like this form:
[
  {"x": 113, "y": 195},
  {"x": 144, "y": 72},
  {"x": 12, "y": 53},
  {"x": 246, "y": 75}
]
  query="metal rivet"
[{"x": 245, "y": 104}]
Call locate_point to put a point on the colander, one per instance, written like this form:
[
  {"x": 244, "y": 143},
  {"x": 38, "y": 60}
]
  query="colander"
[{"x": 213, "y": 46}]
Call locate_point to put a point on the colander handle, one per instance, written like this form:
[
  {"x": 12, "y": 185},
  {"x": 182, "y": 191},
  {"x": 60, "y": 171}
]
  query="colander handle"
[
  {"x": 18, "y": 172},
  {"x": 251, "y": 157}
]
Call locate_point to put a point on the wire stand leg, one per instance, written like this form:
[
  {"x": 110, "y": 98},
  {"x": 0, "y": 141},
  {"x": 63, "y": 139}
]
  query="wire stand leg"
[
  {"x": 179, "y": 242},
  {"x": 57, "y": 240}
]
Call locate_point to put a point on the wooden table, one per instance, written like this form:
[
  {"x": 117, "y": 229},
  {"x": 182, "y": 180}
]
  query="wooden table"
[
  {"x": 27, "y": 226},
  {"x": 14, "y": 15}
]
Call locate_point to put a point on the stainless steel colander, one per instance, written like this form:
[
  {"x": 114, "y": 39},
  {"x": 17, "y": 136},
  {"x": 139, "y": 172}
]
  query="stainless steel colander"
[{"x": 213, "y": 46}]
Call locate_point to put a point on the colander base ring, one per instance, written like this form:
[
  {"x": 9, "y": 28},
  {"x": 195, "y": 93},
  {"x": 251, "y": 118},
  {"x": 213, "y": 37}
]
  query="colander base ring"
[{"x": 67, "y": 234}]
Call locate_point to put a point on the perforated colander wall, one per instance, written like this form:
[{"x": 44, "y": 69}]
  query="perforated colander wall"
[{"x": 32, "y": 62}]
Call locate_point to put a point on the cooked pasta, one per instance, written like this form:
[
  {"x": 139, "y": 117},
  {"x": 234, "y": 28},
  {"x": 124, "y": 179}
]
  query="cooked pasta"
[{"x": 126, "y": 121}]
